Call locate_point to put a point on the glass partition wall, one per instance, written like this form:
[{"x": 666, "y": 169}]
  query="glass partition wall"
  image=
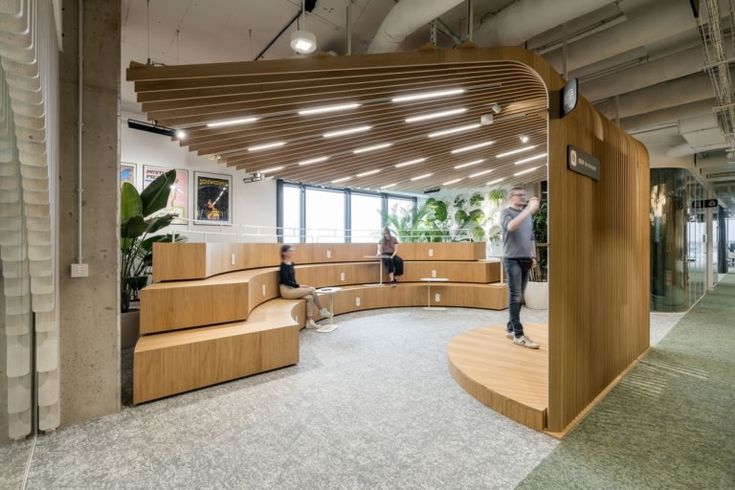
[{"x": 678, "y": 240}]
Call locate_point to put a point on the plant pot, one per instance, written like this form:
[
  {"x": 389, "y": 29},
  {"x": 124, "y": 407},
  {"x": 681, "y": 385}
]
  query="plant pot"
[
  {"x": 129, "y": 328},
  {"x": 537, "y": 295}
]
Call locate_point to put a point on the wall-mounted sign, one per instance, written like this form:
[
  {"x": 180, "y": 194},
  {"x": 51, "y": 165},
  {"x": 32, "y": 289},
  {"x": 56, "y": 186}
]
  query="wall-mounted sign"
[
  {"x": 705, "y": 203},
  {"x": 569, "y": 97},
  {"x": 583, "y": 163}
]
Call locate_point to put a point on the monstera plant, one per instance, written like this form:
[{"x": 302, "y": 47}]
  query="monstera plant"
[{"x": 140, "y": 219}]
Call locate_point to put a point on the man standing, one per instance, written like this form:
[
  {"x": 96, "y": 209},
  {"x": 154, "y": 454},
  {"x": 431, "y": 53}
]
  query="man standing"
[{"x": 519, "y": 252}]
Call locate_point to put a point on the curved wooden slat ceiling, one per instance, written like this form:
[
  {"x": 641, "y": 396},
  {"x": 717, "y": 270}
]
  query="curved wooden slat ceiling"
[{"x": 191, "y": 96}]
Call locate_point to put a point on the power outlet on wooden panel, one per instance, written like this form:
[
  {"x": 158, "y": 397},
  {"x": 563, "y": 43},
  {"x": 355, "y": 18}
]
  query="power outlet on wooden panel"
[
  {"x": 357, "y": 301},
  {"x": 232, "y": 259},
  {"x": 437, "y": 297},
  {"x": 263, "y": 290},
  {"x": 433, "y": 272},
  {"x": 431, "y": 252},
  {"x": 341, "y": 276},
  {"x": 329, "y": 254}
]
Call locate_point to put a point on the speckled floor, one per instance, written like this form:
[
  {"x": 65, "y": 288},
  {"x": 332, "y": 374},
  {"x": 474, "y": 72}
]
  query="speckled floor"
[{"x": 369, "y": 405}]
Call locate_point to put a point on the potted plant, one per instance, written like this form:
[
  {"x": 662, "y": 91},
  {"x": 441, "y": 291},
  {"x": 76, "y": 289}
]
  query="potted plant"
[
  {"x": 140, "y": 218},
  {"x": 537, "y": 291},
  {"x": 469, "y": 223}
]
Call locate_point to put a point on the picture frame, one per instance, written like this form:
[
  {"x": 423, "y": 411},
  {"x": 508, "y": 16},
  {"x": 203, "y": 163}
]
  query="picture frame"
[
  {"x": 212, "y": 199},
  {"x": 129, "y": 174},
  {"x": 178, "y": 201}
]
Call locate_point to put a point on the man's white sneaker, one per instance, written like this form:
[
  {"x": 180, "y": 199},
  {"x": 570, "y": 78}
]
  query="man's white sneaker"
[
  {"x": 310, "y": 324},
  {"x": 525, "y": 342},
  {"x": 325, "y": 313}
]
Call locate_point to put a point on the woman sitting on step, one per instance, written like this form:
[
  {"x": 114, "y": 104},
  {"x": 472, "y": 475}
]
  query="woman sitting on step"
[
  {"x": 290, "y": 289},
  {"x": 388, "y": 250}
]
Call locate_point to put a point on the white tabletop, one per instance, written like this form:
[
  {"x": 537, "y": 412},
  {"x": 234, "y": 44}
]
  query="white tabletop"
[
  {"x": 434, "y": 279},
  {"x": 329, "y": 290}
]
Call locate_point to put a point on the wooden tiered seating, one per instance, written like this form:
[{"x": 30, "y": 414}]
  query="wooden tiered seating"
[{"x": 206, "y": 320}]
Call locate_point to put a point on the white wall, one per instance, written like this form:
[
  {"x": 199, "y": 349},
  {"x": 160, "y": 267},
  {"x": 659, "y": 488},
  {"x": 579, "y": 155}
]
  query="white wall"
[{"x": 253, "y": 204}]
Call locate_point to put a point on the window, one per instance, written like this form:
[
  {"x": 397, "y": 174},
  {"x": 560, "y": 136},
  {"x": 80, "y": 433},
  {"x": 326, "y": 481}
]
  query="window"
[
  {"x": 400, "y": 206},
  {"x": 291, "y": 214},
  {"x": 365, "y": 218},
  {"x": 325, "y": 216}
]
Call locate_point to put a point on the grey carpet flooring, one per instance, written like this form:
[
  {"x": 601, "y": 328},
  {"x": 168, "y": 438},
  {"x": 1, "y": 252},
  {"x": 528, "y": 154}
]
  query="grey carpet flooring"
[
  {"x": 670, "y": 423},
  {"x": 369, "y": 405}
]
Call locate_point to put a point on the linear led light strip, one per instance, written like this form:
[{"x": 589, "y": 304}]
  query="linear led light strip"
[
  {"x": 270, "y": 170},
  {"x": 527, "y": 171},
  {"x": 419, "y": 177},
  {"x": 389, "y": 185},
  {"x": 453, "y": 181},
  {"x": 515, "y": 152},
  {"x": 329, "y": 108},
  {"x": 232, "y": 122},
  {"x": 369, "y": 172},
  {"x": 428, "y": 95},
  {"x": 469, "y": 164},
  {"x": 484, "y": 172},
  {"x": 343, "y": 179},
  {"x": 366, "y": 149},
  {"x": 343, "y": 132},
  {"x": 309, "y": 161},
  {"x": 410, "y": 162},
  {"x": 457, "y": 129},
  {"x": 267, "y": 146},
  {"x": 435, "y": 115},
  {"x": 530, "y": 159},
  {"x": 471, "y": 147}
]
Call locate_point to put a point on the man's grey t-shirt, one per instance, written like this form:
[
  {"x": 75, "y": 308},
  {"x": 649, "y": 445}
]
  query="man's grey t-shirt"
[{"x": 517, "y": 243}]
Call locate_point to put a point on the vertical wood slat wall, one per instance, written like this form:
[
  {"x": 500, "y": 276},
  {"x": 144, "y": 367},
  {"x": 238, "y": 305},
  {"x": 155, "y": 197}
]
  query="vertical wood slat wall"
[{"x": 599, "y": 261}]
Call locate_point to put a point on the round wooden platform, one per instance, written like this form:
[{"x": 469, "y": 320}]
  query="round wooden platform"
[{"x": 508, "y": 378}]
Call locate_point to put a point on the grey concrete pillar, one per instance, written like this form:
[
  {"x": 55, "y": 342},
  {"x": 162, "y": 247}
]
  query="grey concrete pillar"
[{"x": 89, "y": 307}]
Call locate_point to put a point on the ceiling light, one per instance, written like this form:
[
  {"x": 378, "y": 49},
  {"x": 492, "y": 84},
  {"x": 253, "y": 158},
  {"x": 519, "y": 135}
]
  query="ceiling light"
[
  {"x": 524, "y": 138},
  {"x": 496, "y": 181},
  {"x": 435, "y": 115},
  {"x": 472, "y": 147},
  {"x": 484, "y": 172},
  {"x": 453, "y": 181},
  {"x": 469, "y": 164},
  {"x": 271, "y": 170},
  {"x": 523, "y": 172},
  {"x": 419, "y": 177},
  {"x": 410, "y": 162},
  {"x": 336, "y": 181},
  {"x": 266, "y": 146},
  {"x": 180, "y": 134},
  {"x": 530, "y": 159},
  {"x": 514, "y": 152},
  {"x": 232, "y": 122},
  {"x": 457, "y": 129},
  {"x": 369, "y": 172},
  {"x": 303, "y": 41},
  {"x": 328, "y": 108},
  {"x": 309, "y": 161},
  {"x": 389, "y": 186},
  {"x": 343, "y": 132},
  {"x": 427, "y": 95},
  {"x": 365, "y": 149},
  {"x": 496, "y": 108}
]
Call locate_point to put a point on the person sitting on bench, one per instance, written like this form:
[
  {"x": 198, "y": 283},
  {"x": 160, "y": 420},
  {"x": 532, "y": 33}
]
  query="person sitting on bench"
[
  {"x": 388, "y": 249},
  {"x": 290, "y": 289}
]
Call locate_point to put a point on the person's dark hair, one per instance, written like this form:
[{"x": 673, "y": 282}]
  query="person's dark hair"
[
  {"x": 285, "y": 248},
  {"x": 382, "y": 235}
]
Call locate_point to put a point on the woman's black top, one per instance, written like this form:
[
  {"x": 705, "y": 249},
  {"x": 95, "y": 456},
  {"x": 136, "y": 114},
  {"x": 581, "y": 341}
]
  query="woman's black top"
[{"x": 288, "y": 275}]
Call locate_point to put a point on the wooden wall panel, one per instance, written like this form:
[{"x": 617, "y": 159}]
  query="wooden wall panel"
[{"x": 598, "y": 262}]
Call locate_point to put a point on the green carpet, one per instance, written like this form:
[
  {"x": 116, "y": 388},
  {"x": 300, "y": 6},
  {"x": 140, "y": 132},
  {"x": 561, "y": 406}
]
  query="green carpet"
[{"x": 670, "y": 423}]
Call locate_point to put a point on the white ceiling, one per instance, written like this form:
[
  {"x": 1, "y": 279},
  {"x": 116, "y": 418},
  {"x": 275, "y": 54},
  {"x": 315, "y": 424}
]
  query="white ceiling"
[{"x": 237, "y": 30}]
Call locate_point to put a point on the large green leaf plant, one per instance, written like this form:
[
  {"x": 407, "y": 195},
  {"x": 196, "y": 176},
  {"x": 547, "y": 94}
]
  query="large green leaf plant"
[{"x": 140, "y": 218}]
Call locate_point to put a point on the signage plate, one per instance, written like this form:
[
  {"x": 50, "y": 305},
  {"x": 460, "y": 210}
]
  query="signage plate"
[
  {"x": 583, "y": 163},
  {"x": 705, "y": 203}
]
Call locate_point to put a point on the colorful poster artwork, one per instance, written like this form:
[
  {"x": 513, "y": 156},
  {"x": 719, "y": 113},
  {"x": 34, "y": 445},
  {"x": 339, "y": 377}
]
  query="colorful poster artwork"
[
  {"x": 127, "y": 173},
  {"x": 213, "y": 198},
  {"x": 178, "y": 199}
]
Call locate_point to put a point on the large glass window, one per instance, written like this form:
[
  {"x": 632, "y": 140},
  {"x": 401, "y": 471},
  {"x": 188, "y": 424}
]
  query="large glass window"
[
  {"x": 291, "y": 214},
  {"x": 325, "y": 216},
  {"x": 365, "y": 218},
  {"x": 400, "y": 206}
]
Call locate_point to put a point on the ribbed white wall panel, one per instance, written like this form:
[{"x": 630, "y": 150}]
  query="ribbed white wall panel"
[{"x": 29, "y": 60}]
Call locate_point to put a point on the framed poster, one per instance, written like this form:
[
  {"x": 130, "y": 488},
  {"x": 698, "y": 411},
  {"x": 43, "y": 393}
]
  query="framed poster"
[
  {"x": 128, "y": 173},
  {"x": 178, "y": 199},
  {"x": 212, "y": 198}
]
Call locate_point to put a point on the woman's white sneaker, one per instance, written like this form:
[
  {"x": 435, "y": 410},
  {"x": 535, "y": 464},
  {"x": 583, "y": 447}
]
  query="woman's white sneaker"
[
  {"x": 325, "y": 313},
  {"x": 310, "y": 324}
]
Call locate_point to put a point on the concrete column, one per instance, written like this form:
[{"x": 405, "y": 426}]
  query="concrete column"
[
  {"x": 710, "y": 275},
  {"x": 89, "y": 307}
]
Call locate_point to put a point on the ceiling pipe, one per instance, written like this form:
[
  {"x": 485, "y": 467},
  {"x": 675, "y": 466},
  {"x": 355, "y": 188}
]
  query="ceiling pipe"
[
  {"x": 404, "y": 19},
  {"x": 644, "y": 75},
  {"x": 521, "y": 20},
  {"x": 644, "y": 26}
]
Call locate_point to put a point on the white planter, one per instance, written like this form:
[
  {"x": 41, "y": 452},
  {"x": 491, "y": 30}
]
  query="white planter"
[
  {"x": 537, "y": 295},
  {"x": 129, "y": 328}
]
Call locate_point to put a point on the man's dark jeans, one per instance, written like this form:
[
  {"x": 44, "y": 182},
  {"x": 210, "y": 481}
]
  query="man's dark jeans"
[{"x": 516, "y": 273}]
